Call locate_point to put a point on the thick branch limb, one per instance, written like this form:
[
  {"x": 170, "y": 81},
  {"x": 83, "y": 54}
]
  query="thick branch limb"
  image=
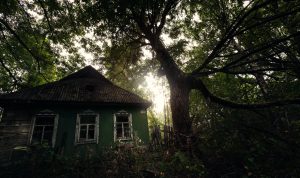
[
  {"x": 164, "y": 57},
  {"x": 199, "y": 85}
]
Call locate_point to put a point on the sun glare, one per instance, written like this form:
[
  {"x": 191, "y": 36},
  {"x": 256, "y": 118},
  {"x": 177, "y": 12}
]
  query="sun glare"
[{"x": 157, "y": 89}]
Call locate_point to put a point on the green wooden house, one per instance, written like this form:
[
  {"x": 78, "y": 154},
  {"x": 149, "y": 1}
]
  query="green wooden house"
[{"x": 81, "y": 110}]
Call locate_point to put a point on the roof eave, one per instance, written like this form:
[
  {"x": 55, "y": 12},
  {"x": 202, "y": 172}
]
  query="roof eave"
[{"x": 12, "y": 102}]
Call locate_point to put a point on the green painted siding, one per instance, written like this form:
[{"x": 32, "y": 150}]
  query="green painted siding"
[{"x": 65, "y": 139}]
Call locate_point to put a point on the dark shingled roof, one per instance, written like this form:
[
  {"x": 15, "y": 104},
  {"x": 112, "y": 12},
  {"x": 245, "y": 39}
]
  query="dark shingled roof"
[{"x": 84, "y": 86}]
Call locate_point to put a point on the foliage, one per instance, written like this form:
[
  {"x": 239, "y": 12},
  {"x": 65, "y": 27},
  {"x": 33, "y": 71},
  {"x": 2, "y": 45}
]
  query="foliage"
[
  {"x": 30, "y": 52},
  {"x": 180, "y": 165},
  {"x": 243, "y": 144},
  {"x": 118, "y": 162},
  {"x": 237, "y": 143},
  {"x": 153, "y": 120}
]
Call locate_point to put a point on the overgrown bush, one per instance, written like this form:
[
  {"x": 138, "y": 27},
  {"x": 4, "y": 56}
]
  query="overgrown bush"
[
  {"x": 121, "y": 161},
  {"x": 237, "y": 143}
]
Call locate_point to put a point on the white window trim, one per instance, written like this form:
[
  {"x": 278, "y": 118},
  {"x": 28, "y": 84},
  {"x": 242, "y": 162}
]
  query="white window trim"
[
  {"x": 77, "y": 131},
  {"x": 46, "y": 112},
  {"x": 130, "y": 125}
]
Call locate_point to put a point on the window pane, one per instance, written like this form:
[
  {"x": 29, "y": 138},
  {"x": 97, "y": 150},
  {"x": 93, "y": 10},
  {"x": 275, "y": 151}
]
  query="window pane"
[
  {"x": 127, "y": 132},
  {"x": 122, "y": 118},
  {"x": 126, "y": 125},
  {"x": 37, "y": 134},
  {"x": 87, "y": 119},
  {"x": 83, "y": 131},
  {"x": 91, "y": 134},
  {"x": 48, "y": 133},
  {"x": 44, "y": 120},
  {"x": 119, "y": 130}
]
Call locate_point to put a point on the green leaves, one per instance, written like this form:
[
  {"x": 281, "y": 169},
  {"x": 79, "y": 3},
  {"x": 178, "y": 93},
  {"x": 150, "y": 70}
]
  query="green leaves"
[{"x": 8, "y": 7}]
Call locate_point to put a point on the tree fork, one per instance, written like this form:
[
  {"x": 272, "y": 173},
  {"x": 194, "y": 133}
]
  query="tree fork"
[{"x": 179, "y": 90}]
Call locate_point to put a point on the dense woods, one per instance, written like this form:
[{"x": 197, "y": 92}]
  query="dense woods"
[{"x": 232, "y": 67}]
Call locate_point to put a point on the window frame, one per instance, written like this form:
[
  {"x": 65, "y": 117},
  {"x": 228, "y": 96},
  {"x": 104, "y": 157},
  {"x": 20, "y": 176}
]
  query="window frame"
[
  {"x": 78, "y": 140},
  {"x": 55, "y": 124},
  {"x": 129, "y": 115}
]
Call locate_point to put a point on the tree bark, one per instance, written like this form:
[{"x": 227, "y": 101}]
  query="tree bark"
[
  {"x": 179, "y": 92},
  {"x": 180, "y": 109}
]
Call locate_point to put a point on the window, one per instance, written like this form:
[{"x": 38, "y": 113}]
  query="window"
[
  {"x": 87, "y": 127},
  {"x": 123, "y": 126},
  {"x": 44, "y": 128}
]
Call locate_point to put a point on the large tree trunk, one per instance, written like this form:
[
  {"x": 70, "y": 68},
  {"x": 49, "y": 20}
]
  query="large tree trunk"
[
  {"x": 179, "y": 89},
  {"x": 180, "y": 109}
]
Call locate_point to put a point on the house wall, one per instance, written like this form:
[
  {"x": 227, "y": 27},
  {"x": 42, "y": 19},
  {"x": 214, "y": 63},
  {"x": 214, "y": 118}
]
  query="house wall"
[
  {"x": 19, "y": 121},
  {"x": 15, "y": 127}
]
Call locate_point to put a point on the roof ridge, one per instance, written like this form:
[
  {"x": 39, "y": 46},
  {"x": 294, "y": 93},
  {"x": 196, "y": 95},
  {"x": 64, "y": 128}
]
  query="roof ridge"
[
  {"x": 86, "y": 72},
  {"x": 87, "y": 85}
]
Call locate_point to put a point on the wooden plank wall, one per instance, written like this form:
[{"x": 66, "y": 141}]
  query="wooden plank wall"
[{"x": 15, "y": 128}]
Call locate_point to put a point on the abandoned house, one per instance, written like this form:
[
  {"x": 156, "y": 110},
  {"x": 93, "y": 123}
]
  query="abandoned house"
[{"x": 81, "y": 109}]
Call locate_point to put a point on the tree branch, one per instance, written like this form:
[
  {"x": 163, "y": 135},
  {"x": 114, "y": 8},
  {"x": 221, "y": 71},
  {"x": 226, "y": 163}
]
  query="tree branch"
[
  {"x": 16, "y": 81},
  {"x": 266, "y": 20},
  {"x": 263, "y": 47},
  {"x": 247, "y": 54},
  {"x": 15, "y": 35},
  {"x": 20, "y": 40},
  {"x": 164, "y": 57},
  {"x": 199, "y": 85},
  {"x": 229, "y": 35},
  {"x": 168, "y": 7},
  {"x": 253, "y": 71},
  {"x": 46, "y": 16}
]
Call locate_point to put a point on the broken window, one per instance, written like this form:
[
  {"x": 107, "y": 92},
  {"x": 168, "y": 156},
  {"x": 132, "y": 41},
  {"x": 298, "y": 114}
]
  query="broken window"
[
  {"x": 44, "y": 129},
  {"x": 87, "y": 128},
  {"x": 123, "y": 126}
]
